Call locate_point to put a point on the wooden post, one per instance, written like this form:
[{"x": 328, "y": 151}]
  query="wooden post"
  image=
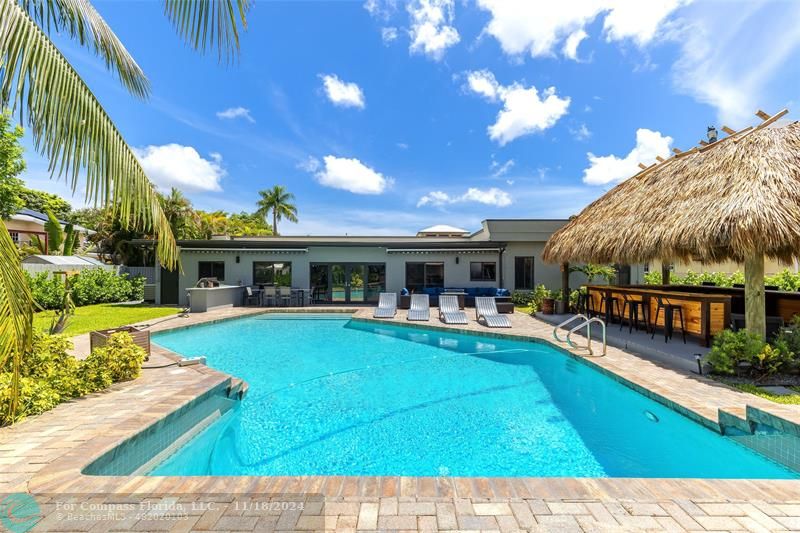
[
  {"x": 565, "y": 286},
  {"x": 665, "y": 270},
  {"x": 754, "y": 298}
]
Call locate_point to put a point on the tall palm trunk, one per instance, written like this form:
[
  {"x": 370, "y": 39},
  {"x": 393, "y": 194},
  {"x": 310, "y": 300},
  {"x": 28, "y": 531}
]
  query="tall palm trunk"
[{"x": 275, "y": 221}]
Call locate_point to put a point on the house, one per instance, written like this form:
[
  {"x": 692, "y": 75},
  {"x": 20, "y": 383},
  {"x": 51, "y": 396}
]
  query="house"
[
  {"x": 27, "y": 222},
  {"x": 503, "y": 253}
]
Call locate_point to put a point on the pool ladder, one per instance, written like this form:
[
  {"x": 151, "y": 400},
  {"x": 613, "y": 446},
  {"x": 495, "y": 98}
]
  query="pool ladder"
[{"x": 587, "y": 323}]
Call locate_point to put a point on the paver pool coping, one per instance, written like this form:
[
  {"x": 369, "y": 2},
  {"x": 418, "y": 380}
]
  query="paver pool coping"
[{"x": 63, "y": 474}]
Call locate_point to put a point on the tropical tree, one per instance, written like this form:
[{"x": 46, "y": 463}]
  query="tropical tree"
[
  {"x": 70, "y": 127},
  {"x": 179, "y": 212},
  {"x": 11, "y": 165},
  {"x": 279, "y": 201},
  {"x": 59, "y": 241}
]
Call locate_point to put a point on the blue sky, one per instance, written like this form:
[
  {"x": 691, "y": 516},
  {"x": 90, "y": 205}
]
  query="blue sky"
[{"x": 386, "y": 117}]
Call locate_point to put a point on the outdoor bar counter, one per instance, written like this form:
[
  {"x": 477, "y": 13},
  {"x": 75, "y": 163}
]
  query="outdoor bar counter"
[{"x": 704, "y": 314}]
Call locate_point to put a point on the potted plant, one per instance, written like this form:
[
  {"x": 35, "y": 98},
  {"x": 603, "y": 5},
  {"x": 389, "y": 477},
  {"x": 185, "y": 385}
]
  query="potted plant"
[
  {"x": 548, "y": 303},
  {"x": 561, "y": 307}
]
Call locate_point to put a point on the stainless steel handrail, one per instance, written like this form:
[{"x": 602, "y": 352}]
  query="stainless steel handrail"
[
  {"x": 567, "y": 321},
  {"x": 588, "y": 325}
]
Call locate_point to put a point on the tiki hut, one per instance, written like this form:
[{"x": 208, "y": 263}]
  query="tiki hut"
[{"x": 736, "y": 198}]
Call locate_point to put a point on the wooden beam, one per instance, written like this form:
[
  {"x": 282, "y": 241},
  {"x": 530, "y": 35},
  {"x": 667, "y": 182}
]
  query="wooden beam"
[
  {"x": 565, "y": 286},
  {"x": 676, "y": 151},
  {"x": 754, "y": 299},
  {"x": 660, "y": 159},
  {"x": 728, "y": 130},
  {"x": 703, "y": 143},
  {"x": 762, "y": 115},
  {"x": 767, "y": 122},
  {"x": 642, "y": 166}
]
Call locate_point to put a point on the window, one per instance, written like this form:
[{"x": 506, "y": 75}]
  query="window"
[
  {"x": 482, "y": 271},
  {"x": 424, "y": 275},
  {"x": 211, "y": 269},
  {"x": 14, "y": 236},
  {"x": 272, "y": 273},
  {"x": 523, "y": 273}
]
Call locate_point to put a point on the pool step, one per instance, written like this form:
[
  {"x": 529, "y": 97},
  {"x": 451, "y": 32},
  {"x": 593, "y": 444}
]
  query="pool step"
[{"x": 237, "y": 389}]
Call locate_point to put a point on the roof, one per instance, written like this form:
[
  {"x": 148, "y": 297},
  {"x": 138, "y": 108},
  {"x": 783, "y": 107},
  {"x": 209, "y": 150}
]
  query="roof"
[
  {"x": 731, "y": 199},
  {"x": 29, "y": 215},
  {"x": 63, "y": 260}
]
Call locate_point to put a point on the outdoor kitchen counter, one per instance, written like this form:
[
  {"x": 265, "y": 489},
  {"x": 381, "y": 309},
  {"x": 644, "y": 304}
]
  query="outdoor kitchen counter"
[
  {"x": 203, "y": 299},
  {"x": 704, "y": 314}
]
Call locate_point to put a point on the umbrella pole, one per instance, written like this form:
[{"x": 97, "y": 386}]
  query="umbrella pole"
[{"x": 754, "y": 299}]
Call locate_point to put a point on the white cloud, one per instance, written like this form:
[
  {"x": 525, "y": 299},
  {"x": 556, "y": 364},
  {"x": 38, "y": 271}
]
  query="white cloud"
[
  {"x": 524, "y": 110},
  {"x": 581, "y": 133},
  {"x": 174, "y": 165},
  {"x": 540, "y": 28},
  {"x": 499, "y": 170},
  {"x": 352, "y": 175},
  {"x": 611, "y": 169},
  {"x": 729, "y": 62},
  {"x": 342, "y": 93},
  {"x": 493, "y": 196},
  {"x": 431, "y": 30},
  {"x": 236, "y": 112},
  {"x": 388, "y": 34},
  {"x": 311, "y": 164},
  {"x": 381, "y": 9},
  {"x": 573, "y": 41},
  {"x": 402, "y": 146}
]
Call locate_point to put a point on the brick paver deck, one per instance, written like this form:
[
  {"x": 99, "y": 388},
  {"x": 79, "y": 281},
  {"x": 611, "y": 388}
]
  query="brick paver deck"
[{"x": 44, "y": 456}]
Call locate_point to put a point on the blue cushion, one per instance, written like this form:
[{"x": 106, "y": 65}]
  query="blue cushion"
[
  {"x": 404, "y": 292},
  {"x": 503, "y": 292},
  {"x": 472, "y": 291}
]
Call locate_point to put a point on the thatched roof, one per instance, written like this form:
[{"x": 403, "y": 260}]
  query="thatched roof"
[{"x": 736, "y": 197}]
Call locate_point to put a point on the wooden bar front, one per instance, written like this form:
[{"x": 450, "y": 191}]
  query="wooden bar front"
[{"x": 704, "y": 315}]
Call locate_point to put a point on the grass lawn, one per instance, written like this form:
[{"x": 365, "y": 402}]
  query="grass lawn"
[
  {"x": 103, "y": 316},
  {"x": 527, "y": 309},
  {"x": 793, "y": 399}
]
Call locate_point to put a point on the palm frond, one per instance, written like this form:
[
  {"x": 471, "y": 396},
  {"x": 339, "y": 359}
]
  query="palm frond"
[
  {"x": 81, "y": 21},
  {"x": 16, "y": 316},
  {"x": 71, "y": 128},
  {"x": 208, "y": 24}
]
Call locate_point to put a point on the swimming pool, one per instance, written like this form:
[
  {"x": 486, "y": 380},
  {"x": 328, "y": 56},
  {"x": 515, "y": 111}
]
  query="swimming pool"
[{"x": 334, "y": 396}]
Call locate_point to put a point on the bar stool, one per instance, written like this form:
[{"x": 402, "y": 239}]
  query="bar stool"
[
  {"x": 634, "y": 315},
  {"x": 609, "y": 303},
  {"x": 669, "y": 316}
]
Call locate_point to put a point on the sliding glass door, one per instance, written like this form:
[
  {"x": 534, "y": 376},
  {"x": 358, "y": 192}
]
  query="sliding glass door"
[{"x": 340, "y": 283}]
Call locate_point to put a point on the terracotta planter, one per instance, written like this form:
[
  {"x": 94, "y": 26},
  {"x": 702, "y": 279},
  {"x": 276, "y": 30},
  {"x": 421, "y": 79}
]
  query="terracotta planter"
[{"x": 548, "y": 306}]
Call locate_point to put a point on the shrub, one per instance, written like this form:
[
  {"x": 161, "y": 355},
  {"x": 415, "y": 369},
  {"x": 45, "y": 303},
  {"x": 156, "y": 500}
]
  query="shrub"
[
  {"x": 652, "y": 278},
  {"x": 744, "y": 352},
  {"x": 522, "y": 298},
  {"x": 732, "y": 348},
  {"x": 120, "y": 356},
  {"x": 90, "y": 286},
  {"x": 49, "y": 375}
]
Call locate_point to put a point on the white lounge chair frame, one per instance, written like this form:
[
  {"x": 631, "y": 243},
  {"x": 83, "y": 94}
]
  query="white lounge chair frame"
[
  {"x": 387, "y": 305},
  {"x": 420, "y": 308},
  {"x": 449, "y": 311},
  {"x": 486, "y": 309}
]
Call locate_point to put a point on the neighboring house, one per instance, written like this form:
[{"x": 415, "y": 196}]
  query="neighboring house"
[
  {"x": 344, "y": 269},
  {"x": 771, "y": 267},
  {"x": 28, "y": 222}
]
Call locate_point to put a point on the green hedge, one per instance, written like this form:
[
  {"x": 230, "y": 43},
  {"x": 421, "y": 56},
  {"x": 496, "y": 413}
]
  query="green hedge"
[
  {"x": 90, "y": 286},
  {"x": 786, "y": 280},
  {"x": 50, "y": 375}
]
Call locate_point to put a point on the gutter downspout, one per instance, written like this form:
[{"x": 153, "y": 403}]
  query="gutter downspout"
[{"x": 500, "y": 266}]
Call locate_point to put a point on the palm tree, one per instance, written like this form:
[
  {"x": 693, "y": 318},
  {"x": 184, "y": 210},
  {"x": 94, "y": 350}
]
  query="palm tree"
[
  {"x": 178, "y": 209},
  {"x": 278, "y": 200},
  {"x": 70, "y": 126}
]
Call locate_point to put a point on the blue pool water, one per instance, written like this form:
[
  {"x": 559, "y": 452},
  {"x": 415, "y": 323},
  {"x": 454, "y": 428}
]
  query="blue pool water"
[{"x": 340, "y": 397}]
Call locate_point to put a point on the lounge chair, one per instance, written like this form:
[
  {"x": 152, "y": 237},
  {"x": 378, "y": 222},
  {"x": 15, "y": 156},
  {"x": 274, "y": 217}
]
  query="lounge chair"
[
  {"x": 449, "y": 313},
  {"x": 387, "y": 305},
  {"x": 420, "y": 308},
  {"x": 486, "y": 309}
]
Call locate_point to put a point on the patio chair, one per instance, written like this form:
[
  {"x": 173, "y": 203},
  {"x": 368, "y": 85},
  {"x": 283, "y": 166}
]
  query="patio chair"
[
  {"x": 420, "y": 308},
  {"x": 486, "y": 309},
  {"x": 449, "y": 312},
  {"x": 251, "y": 296},
  {"x": 387, "y": 305},
  {"x": 270, "y": 296},
  {"x": 285, "y": 296}
]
